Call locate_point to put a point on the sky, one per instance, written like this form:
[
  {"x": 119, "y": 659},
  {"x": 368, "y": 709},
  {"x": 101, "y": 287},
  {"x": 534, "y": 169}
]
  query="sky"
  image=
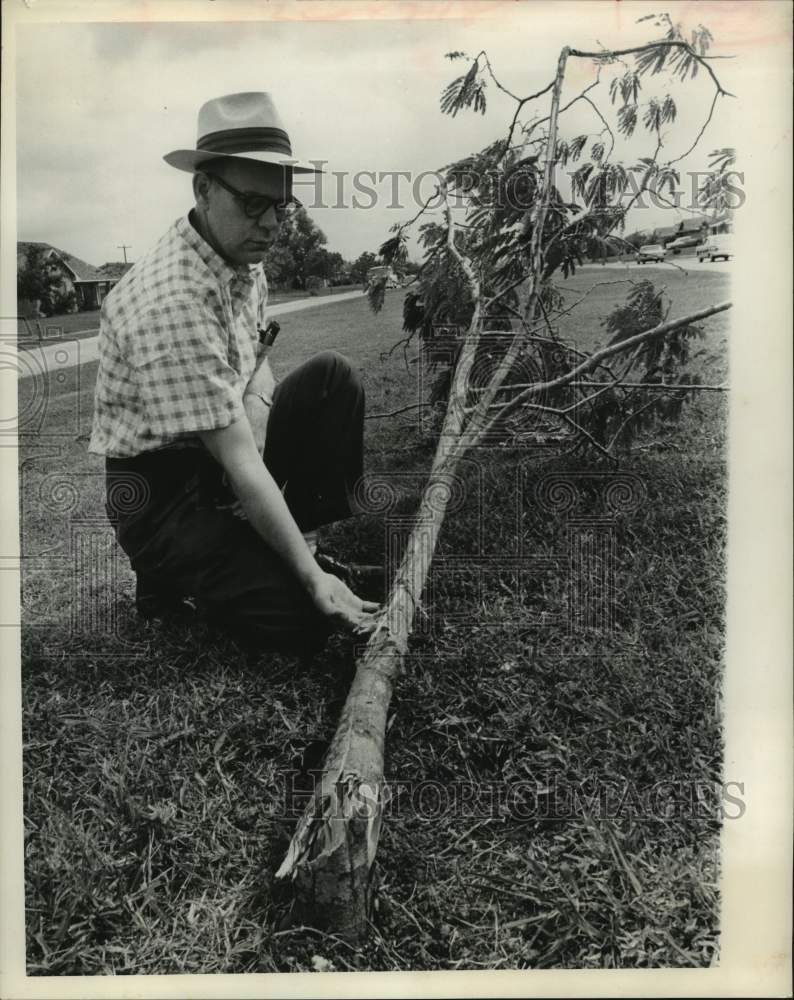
[{"x": 98, "y": 104}]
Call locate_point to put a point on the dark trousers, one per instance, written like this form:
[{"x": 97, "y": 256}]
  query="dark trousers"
[{"x": 182, "y": 537}]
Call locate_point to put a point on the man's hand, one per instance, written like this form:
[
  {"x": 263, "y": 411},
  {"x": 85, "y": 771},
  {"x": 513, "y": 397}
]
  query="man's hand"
[{"x": 335, "y": 599}]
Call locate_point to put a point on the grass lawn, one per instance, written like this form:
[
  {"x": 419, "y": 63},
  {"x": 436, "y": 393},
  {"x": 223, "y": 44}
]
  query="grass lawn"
[
  {"x": 527, "y": 829},
  {"x": 52, "y": 328},
  {"x": 86, "y": 324},
  {"x": 279, "y": 295}
]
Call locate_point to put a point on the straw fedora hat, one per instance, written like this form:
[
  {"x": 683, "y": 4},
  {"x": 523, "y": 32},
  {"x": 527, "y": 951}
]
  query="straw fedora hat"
[{"x": 240, "y": 126}]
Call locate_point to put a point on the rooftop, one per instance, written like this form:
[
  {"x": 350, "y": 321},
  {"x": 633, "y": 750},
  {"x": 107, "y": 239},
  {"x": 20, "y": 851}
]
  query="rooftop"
[{"x": 79, "y": 268}]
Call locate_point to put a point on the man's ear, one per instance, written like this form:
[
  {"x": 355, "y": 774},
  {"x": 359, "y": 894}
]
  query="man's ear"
[{"x": 201, "y": 186}]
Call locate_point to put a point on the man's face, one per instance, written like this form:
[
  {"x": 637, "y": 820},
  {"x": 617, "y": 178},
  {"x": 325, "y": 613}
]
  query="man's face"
[{"x": 237, "y": 237}]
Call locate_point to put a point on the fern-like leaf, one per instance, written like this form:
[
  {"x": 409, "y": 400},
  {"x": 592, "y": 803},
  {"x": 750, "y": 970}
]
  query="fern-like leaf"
[
  {"x": 376, "y": 294},
  {"x": 652, "y": 118},
  {"x": 464, "y": 92},
  {"x": 627, "y": 119},
  {"x": 577, "y": 145},
  {"x": 394, "y": 250}
]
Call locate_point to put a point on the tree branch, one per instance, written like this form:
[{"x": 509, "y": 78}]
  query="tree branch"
[
  {"x": 558, "y": 342},
  {"x": 422, "y": 210},
  {"x": 607, "y": 352},
  {"x": 405, "y": 343},
  {"x": 578, "y": 97},
  {"x": 609, "y": 55},
  {"x": 620, "y": 384},
  {"x": 504, "y": 89},
  {"x": 564, "y": 416},
  {"x": 521, "y": 103},
  {"x": 594, "y": 106},
  {"x": 717, "y": 94},
  {"x": 504, "y": 291},
  {"x": 626, "y": 422},
  {"x": 394, "y": 413}
]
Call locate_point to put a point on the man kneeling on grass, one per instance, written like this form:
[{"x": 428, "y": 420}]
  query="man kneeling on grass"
[{"x": 186, "y": 407}]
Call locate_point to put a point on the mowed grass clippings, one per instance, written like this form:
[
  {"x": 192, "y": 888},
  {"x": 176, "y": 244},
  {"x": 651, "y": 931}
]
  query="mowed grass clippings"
[{"x": 528, "y": 827}]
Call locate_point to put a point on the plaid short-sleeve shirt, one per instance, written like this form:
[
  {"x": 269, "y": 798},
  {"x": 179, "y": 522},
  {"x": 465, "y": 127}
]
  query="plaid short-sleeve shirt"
[{"x": 177, "y": 346}]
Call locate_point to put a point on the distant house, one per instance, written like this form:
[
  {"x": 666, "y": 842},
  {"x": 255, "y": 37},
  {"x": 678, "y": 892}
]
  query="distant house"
[
  {"x": 664, "y": 234},
  {"x": 690, "y": 232},
  {"x": 89, "y": 284},
  {"x": 696, "y": 226}
]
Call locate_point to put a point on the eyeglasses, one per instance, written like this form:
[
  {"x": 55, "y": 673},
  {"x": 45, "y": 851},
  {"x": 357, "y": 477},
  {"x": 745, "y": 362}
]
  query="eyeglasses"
[{"x": 255, "y": 205}]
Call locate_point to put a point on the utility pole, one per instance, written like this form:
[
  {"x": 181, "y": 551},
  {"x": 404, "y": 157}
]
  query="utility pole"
[{"x": 125, "y": 247}]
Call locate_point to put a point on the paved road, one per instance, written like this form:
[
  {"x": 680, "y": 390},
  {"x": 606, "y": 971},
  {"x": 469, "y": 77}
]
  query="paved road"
[
  {"x": 674, "y": 264},
  {"x": 70, "y": 353}
]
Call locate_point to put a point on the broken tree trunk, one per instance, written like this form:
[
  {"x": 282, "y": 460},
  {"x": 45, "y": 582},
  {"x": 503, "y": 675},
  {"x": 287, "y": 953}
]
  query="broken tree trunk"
[{"x": 331, "y": 854}]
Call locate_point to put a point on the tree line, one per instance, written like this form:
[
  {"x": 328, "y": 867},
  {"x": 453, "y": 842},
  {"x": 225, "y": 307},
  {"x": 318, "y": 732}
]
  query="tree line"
[{"x": 298, "y": 260}]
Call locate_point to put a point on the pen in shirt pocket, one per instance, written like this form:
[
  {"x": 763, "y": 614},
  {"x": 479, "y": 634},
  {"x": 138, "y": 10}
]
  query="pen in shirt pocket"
[{"x": 267, "y": 337}]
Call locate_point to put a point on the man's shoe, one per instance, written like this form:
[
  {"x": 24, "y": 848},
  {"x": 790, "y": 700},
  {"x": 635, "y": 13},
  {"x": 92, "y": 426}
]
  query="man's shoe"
[{"x": 367, "y": 582}]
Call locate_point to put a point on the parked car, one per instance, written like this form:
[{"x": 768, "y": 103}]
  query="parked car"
[
  {"x": 651, "y": 251},
  {"x": 379, "y": 272},
  {"x": 683, "y": 242},
  {"x": 715, "y": 247}
]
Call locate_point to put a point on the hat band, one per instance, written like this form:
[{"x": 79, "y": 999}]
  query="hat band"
[{"x": 246, "y": 140}]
